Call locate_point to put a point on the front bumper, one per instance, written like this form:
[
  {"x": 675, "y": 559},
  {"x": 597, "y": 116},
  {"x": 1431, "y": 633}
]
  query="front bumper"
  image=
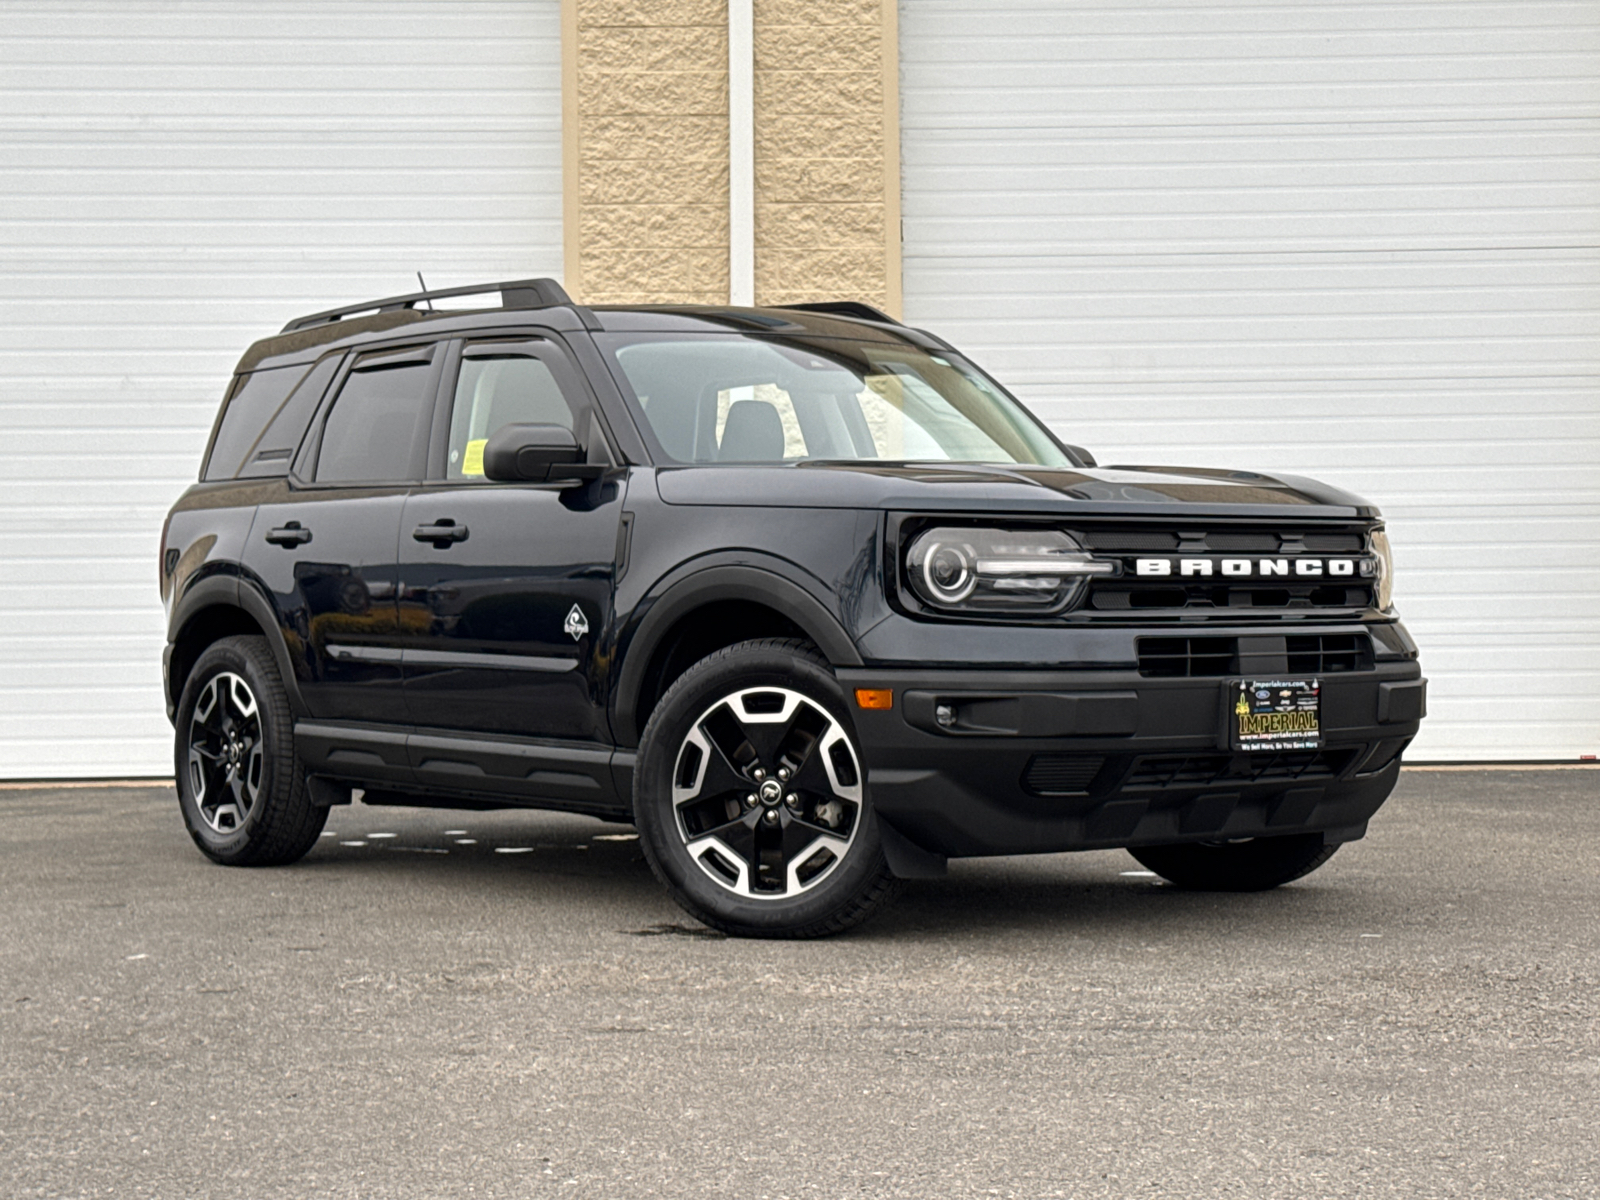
[{"x": 1041, "y": 761}]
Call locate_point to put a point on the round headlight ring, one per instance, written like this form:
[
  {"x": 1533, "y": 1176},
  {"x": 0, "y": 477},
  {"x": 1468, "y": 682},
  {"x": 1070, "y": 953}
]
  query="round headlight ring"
[{"x": 949, "y": 571}]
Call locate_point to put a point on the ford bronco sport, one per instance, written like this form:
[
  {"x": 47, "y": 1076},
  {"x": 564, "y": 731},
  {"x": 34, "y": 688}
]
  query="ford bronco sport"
[{"x": 798, "y": 591}]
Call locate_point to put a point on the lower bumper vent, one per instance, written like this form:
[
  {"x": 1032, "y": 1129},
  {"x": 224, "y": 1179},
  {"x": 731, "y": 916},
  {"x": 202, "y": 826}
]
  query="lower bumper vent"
[
  {"x": 1206, "y": 770},
  {"x": 1304, "y": 654},
  {"x": 1061, "y": 774}
]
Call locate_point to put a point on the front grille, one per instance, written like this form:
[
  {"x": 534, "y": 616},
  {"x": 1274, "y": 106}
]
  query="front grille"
[
  {"x": 1118, "y": 596},
  {"x": 1329, "y": 653},
  {"x": 1207, "y": 770},
  {"x": 1244, "y": 543},
  {"x": 1217, "y": 589},
  {"x": 1061, "y": 774},
  {"x": 1186, "y": 657},
  {"x": 1334, "y": 543},
  {"x": 1132, "y": 540}
]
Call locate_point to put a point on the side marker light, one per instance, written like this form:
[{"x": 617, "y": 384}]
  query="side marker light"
[{"x": 875, "y": 697}]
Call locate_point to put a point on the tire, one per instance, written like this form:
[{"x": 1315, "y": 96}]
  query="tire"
[
  {"x": 241, "y": 787},
  {"x": 750, "y": 800},
  {"x": 1254, "y": 865}
]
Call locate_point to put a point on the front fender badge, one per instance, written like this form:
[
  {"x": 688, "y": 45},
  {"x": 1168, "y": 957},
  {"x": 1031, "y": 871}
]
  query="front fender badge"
[{"x": 576, "y": 624}]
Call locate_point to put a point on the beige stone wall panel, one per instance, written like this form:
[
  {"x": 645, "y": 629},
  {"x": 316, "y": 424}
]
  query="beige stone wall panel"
[
  {"x": 825, "y": 225},
  {"x": 819, "y": 180},
  {"x": 654, "y": 93},
  {"x": 804, "y": 48},
  {"x": 626, "y": 137},
  {"x": 648, "y": 13},
  {"x": 691, "y": 48},
  {"x": 639, "y": 272},
  {"x": 823, "y": 274},
  {"x": 844, "y": 92},
  {"x": 646, "y": 90},
  {"x": 647, "y": 180},
  {"x": 612, "y": 228},
  {"x": 717, "y": 298},
  {"x": 808, "y": 135},
  {"x": 808, "y": 13}
]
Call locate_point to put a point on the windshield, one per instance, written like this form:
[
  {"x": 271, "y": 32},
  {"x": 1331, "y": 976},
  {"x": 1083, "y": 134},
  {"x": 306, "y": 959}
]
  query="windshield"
[{"x": 712, "y": 398}]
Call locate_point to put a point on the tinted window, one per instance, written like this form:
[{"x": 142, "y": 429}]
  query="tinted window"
[
  {"x": 495, "y": 391},
  {"x": 275, "y": 447},
  {"x": 256, "y": 397},
  {"x": 374, "y": 432}
]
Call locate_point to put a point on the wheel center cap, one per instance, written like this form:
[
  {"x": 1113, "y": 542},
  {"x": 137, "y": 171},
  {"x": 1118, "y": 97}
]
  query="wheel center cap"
[{"x": 771, "y": 792}]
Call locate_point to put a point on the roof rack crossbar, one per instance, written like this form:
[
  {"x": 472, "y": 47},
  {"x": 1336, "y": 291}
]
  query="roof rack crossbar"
[
  {"x": 518, "y": 293},
  {"x": 844, "y": 308}
]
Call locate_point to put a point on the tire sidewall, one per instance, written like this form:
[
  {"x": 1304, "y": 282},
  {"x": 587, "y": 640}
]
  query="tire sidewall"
[
  {"x": 697, "y": 690},
  {"x": 228, "y": 656}
]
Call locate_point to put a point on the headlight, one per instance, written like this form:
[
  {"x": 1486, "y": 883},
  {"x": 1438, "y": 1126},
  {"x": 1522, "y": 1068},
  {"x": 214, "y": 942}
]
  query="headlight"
[
  {"x": 998, "y": 570},
  {"x": 1378, "y": 544}
]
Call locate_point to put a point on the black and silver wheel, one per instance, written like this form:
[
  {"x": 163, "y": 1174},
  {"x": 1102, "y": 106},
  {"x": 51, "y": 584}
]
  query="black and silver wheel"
[
  {"x": 750, "y": 797},
  {"x": 240, "y": 785},
  {"x": 1247, "y": 865},
  {"x": 226, "y": 760}
]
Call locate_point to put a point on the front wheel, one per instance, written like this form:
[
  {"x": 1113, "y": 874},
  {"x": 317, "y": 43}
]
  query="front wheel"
[
  {"x": 1251, "y": 865},
  {"x": 750, "y": 798}
]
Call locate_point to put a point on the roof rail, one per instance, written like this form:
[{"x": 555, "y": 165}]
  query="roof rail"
[
  {"x": 844, "y": 308},
  {"x": 520, "y": 293}
]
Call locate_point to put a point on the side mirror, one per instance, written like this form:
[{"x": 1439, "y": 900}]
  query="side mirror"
[
  {"x": 536, "y": 454},
  {"x": 1082, "y": 455}
]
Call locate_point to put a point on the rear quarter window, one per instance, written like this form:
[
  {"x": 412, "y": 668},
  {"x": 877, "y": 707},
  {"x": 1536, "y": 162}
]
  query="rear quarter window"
[
  {"x": 274, "y": 449},
  {"x": 254, "y": 401}
]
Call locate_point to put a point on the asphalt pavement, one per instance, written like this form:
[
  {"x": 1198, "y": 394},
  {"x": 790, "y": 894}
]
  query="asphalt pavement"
[{"x": 437, "y": 1004}]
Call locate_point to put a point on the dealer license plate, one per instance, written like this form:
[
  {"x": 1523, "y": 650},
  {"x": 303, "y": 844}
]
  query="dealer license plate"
[{"x": 1277, "y": 714}]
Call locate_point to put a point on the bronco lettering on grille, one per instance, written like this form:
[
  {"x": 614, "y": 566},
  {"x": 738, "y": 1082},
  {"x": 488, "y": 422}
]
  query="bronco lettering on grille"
[{"x": 1255, "y": 568}]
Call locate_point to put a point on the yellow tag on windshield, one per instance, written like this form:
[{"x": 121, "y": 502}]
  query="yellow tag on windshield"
[{"x": 472, "y": 460}]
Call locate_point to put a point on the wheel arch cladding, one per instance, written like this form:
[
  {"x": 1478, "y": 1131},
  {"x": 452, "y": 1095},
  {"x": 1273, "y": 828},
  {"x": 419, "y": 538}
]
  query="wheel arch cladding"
[
  {"x": 208, "y": 614},
  {"x": 706, "y": 612}
]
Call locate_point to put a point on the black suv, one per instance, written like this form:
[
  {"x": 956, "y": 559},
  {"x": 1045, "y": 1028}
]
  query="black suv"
[{"x": 800, "y": 592}]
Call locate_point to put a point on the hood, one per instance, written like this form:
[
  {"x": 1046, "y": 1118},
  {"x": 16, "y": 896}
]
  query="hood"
[{"x": 969, "y": 487}]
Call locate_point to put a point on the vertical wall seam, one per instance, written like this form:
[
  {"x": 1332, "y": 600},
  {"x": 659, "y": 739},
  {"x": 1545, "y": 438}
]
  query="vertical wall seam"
[
  {"x": 894, "y": 290},
  {"x": 571, "y": 152},
  {"x": 741, "y": 153}
]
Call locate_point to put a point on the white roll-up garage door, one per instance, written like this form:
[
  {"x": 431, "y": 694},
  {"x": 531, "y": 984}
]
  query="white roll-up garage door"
[
  {"x": 179, "y": 179},
  {"x": 1359, "y": 241}
]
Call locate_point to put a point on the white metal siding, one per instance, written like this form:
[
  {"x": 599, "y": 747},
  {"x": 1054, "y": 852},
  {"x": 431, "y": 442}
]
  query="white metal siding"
[
  {"x": 177, "y": 180},
  {"x": 1358, "y": 241}
]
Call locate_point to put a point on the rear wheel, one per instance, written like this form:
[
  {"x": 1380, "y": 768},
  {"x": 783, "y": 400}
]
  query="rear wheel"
[
  {"x": 241, "y": 786},
  {"x": 750, "y": 798},
  {"x": 1251, "y": 865}
]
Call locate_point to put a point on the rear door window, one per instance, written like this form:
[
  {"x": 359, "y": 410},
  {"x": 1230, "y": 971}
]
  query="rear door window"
[{"x": 376, "y": 431}]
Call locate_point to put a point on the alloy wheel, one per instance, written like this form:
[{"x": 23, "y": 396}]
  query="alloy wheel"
[
  {"x": 767, "y": 793},
  {"x": 225, "y": 757}
]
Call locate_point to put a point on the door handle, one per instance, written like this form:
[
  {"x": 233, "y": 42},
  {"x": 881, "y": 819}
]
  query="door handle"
[
  {"x": 441, "y": 533},
  {"x": 289, "y": 535}
]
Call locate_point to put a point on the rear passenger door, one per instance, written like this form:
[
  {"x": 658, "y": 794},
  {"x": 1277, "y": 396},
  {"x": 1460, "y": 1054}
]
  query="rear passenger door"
[
  {"x": 508, "y": 586},
  {"x": 324, "y": 540}
]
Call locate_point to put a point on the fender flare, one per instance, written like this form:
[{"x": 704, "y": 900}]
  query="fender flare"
[
  {"x": 705, "y": 586},
  {"x": 232, "y": 591}
]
